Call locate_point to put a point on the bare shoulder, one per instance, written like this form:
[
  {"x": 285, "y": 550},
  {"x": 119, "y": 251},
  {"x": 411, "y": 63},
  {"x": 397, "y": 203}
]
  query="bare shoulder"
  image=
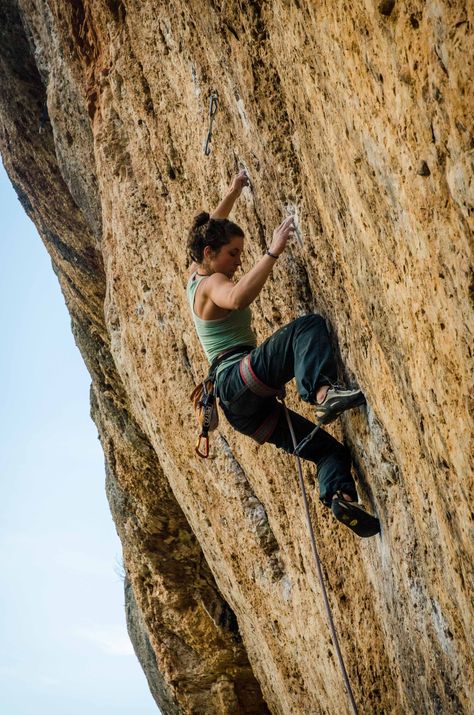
[
  {"x": 210, "y": 301},
  {"x": 217, "y": 280}
]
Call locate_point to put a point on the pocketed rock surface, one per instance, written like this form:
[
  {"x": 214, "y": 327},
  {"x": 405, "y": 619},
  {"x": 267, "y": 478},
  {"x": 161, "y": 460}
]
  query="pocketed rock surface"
[{"x": 358, "y": 117}]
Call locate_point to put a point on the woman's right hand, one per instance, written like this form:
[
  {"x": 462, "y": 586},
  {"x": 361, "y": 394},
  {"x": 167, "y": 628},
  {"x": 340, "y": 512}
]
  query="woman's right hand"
[
  {"x": 238, "y": 182},
  {"x": 281, "y": 235}
]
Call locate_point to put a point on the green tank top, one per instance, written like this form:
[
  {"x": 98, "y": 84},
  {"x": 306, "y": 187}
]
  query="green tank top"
[{"x": 224, "y": 333}]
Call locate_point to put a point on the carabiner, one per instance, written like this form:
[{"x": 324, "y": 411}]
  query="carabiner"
[
  {"x": 197, "y": 448},
  {"x": 207, "y": 148},
  {"x": 213, "y": 103}
]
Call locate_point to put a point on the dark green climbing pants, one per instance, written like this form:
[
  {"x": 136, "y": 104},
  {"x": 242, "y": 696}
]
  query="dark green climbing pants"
[{"x": 300, "y": 350}]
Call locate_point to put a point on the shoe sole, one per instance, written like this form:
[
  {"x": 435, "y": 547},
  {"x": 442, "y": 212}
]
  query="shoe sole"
[{"x": 359, "y": 521}]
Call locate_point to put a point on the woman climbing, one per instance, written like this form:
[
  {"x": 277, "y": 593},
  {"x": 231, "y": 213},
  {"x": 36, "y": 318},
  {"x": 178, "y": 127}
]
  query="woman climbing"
[{"x": 249, "y": 378}]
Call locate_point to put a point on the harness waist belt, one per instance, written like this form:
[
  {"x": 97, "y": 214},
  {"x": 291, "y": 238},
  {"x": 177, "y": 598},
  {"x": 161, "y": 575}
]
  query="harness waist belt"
[{"x": 226, "y": 354}]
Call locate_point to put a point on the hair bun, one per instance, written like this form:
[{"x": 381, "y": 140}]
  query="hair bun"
[{"x": 201, "y": 219}]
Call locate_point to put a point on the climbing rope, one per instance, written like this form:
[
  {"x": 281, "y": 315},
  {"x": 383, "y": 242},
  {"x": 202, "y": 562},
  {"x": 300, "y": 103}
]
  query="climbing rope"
[
  {"x": 318, "y": 565},
  {"x": 213, "y": 107}
]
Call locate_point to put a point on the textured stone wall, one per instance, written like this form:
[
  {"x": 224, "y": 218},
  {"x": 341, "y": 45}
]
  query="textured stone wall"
[{"x": 358, "y": 116}]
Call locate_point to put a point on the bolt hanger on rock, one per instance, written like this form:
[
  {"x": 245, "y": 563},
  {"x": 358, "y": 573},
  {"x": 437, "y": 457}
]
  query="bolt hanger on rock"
[{"x": 213, "y": 107}]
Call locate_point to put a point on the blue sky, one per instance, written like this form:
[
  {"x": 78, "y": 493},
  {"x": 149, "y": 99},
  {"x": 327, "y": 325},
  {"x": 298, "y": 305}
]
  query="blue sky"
[{"x": 64, "y": 648}]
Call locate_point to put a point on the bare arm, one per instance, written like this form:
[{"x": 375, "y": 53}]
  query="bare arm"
[
  {"x": 225, "y": 207},
  {"x": 235, "y": 189},
  {"x": 236, "y": 296}
]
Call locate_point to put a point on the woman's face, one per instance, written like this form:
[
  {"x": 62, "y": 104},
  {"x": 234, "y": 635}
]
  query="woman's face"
[{"x": 227, "y": 258}]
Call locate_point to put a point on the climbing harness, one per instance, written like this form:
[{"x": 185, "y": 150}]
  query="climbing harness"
[
  {"x": 318, "y": 561},
  {"x": 213, "y": 107},
  {"x": 203, "y": 398}
]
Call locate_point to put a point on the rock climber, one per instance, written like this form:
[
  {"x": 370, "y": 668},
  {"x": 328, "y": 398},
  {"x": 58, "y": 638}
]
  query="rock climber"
[{"x": 248, "y": 378}]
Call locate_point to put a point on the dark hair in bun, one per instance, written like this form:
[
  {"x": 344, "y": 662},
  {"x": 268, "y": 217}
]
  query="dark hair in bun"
[{"x": 212, "y": 232}]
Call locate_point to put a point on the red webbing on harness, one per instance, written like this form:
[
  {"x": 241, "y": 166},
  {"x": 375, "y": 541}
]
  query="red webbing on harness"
[{"x": 254, "y": 383}]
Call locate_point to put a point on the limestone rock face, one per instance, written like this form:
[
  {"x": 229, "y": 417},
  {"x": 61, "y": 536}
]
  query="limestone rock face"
[{"x": 358, "y": 117}]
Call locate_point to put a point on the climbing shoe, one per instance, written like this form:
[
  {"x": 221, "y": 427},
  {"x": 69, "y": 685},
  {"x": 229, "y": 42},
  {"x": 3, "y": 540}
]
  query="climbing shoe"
[
  {"x": 337, "y": 400},
  {"x": 351, "y": 515}
]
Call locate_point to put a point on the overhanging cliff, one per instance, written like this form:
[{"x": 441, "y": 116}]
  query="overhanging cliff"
[{"x": 360, "y": 119}]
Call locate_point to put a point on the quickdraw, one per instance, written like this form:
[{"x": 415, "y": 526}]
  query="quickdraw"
[
  {"x": 204, "y": 399},
  {"x": 213, "y": 107}
]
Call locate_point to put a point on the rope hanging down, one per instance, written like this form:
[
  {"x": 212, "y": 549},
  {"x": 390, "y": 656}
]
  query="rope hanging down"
[
  {"x": 213, "y": 107},
  {"x": 332, "y": 627}
]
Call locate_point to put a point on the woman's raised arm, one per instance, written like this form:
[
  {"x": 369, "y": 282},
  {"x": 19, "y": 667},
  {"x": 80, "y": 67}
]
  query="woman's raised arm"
[{"x": 235, "y": 189}]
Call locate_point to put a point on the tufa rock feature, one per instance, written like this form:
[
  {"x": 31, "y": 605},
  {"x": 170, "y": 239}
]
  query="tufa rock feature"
[{"x": 103, "y": 110}]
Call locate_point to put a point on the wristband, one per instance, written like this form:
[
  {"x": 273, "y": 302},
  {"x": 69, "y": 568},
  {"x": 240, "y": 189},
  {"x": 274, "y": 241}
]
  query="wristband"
[{"x": 269, "y": 253}]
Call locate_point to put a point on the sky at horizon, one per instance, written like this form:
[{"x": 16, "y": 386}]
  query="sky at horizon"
[{"x": 64, "y": 648}]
